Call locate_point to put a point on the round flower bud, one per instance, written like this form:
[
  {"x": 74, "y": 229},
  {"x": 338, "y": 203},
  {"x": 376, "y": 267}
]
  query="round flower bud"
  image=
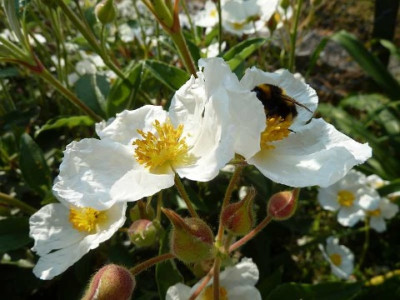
[
  {"x": 111, "y": 282},
  {"x": 106, "y": 11},
  {"x": 191, "y": 239},
  {"x": 141, "y": 211},
  {"x": 238, "y": 218},
  {"x": 143, "y": 233},
  {"x": 282, "y": 205}
]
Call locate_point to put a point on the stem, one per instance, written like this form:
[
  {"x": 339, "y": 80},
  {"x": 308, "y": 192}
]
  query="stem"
[
  {"x": 69, "y": 95},
  {"x": 183, "y": 51},
  {"x": 181, "y": 189},
  {"x": 202, "y": 285},
  {"x": 217, "y": 266},
  {"x": 7, "y": 199},
  {"x": 366, "y": 244},
  {"x": 293, "y": 36},
  {"x": 227, "y": 198},
  {"x": 219, "y": 8},
  {"x": 251, "y": 234},
  {"x": 150, "y": 262},
  {"x": 159, "y": 205},
  {"x": 192, "y": 27}
]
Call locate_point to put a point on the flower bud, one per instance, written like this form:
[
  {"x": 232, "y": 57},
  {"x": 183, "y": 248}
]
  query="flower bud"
[
  {"x": 191, "y": 239},
  {"x": 143, "y": 233},
  {"x": 282, "y": 205},
  {"x": 238, "y": 218},
  {"x": 111, "y": 282},
  {"x": 141, "y": 211},
  {"x": 106, "y": 11},
  {"x": 285, "y": 4}
]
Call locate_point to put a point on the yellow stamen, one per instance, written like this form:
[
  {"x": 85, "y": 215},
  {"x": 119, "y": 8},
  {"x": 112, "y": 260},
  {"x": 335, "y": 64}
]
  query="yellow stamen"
[
  {"x": 336, "y": 259},
  {"x": 208, "y": 293},
  {"x": 86, "y": 219},
  {"x": 213, "y": 13},
  {"x": 345, "y": 198},
  {"x": 164, "y": 151},
  {"x": 374, "y": 213},
  {"x": 277, "y": 129},
  {"x": 237, "y": 25}
]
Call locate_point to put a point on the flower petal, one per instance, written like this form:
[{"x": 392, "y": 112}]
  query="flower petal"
[
  {"x": 89, "y": 170},
  {"x": 317, "y": 154},
  {"x": 51, "y": 229},
  {"x": 243, "y": 292},
  {"x": 327, "y": 198},
  {"x": 388, "y": 209},
  {"x": 377, "y": 223},
  {"x": 349, "y": 216},
  {"x": 243, "y": 273},
  {"x": 123, "y": 129},
  {"x": 178, "y": 291}
]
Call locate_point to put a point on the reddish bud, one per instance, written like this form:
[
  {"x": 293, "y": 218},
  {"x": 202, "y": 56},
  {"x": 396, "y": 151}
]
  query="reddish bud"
[
  {"x": 111, "y": 282},
  {"x": 191, "y": 238},
  {"x": 143, "y": 233},
  {"x": 282, "y": 205},
  {"x": 238, "y": 218}
]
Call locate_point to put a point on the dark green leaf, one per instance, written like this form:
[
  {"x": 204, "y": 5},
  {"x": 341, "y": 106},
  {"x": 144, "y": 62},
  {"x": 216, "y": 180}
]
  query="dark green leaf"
[
  {"x": 391, "y": 47},
  {"x": 166, "y": 272},
  {"x": 170, "y": 76},
  {"x": 65, "y": 122},
  {"x": 326, "y": 291},
  {"x": 314, "y": 56},
  {"x": 14, "y": 234},
  {"x": 237, "y": 54},
  {"x": 93, "y": 90},
  {"x": 194, "y": 51},
  {"x": 369, "y": 63},
  {"x": 33, "y": 165},
  {"x": 8, "y": 72},
  {"x": 123, "y": 93}
]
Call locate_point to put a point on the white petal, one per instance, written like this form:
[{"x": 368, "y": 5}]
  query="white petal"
[
  {"x": 243, "y": 273},
  {"x": 293, "y": 87},
  {"x": 349, "y": 216},
  {"x": 123, "y": 129},
  {"x": 178, "y": 291},
  {"x": 368, "y": 198},
  {"x": 51, "y": 229},
  {"x": 316, "y": 155},
  {"x": 388, "y": 209},
  {"x": 327, "y": 197},
  {"x": 55, "y": 263},
  {"x": 89, "y": 170},
  {"x": 243, "y": 292},
  {"x": 378, "y": 223}
]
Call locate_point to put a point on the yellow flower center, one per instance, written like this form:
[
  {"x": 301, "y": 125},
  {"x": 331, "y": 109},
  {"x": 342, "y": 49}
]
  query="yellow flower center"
[
  {"x": 374, "y": 213},
  {"x": 345, "y": 198},
  {"x": 164, "y": 151},
  {"x": 208, "y": 293},
  {"x": 213, "y": 13},
  {"x": 86, "y": 219},
  {"x": 336, "y": 259},
  {"x": 277, "y": 129},
  {"x": 237, "y": 25}
]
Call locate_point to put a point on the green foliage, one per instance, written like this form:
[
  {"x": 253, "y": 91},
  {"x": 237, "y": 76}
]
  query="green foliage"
[
  {"x": 170, "y": 76},
  {"x": 237, "y": 54},
  {"x": 13, "y": 234}
]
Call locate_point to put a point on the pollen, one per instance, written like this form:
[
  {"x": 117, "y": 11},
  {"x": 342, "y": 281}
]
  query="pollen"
[
  {"x": 277, "y": 129},
  {"x": 209, "y": 293},
  {"x": 213, "y": 13},
  {"x": 345, "y": 198},
  {"x": 336, "y": 259},
  {"x": 374, "y": 213},
  {"x": 163, "y": 151},
  {"x": 237, "y": 25},
  {"x": 86, "y": 219}
]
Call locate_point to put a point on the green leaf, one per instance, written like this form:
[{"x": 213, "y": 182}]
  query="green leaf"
[
  {"x": 8, "y": 72},
  {"x": 170, "y": 76},
  {"x": 326, "y": 291},
  {"x": 237, "y": 54},
  {"x": 391, "y": 47},
  {"x": 93, "y": 90},
  {"x": 65, "y": 122},
  {"x": 123, "y": 93},
  {"x": 314, "y": 56},
  {"x": 194, "y": 51},
  {"x": 14, "y": 234},
  {"x": 166, "y": 272},
  {"x": 369, "y": 63},
  {"x": 33, "y": 165}
]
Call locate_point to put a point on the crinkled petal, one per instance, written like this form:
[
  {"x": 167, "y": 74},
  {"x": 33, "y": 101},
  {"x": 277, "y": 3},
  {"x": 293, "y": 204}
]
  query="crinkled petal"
[
  {"x": 349, "y": 216},
  {"x": 243, "y": 273},
  {"x": 89, "y": 170},
  {"x": 51, "y": 229},
  {"x": 123, "y": 129},
  {"x": 378, "y": 224},
  {"x": 293, "y": 87},
  {"x": 243, "y": 292},
  {"x": 317, "y": 154},
  {"x": 178, "y": 291}
]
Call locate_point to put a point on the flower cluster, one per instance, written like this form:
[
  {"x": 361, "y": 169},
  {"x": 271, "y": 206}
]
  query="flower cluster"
[
  {"x": 265, "y": 119},
  {"x": 355, "y": 198}
]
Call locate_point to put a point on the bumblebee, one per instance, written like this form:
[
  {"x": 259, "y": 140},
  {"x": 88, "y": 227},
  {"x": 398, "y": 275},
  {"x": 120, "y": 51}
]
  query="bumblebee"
[{"x": 276, "y": 102}]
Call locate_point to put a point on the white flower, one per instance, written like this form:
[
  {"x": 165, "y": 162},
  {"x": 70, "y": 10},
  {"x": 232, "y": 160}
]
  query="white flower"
[
  {"x": 349, "y": 196},
  {"x": 63, "y": 233},
  {"x": 212, "y": 50},
  {"x": 236, "y": 283},
  {"x": 296, "y": 150},
  {"x": 208, "y": 17},
  {"x": 377, "y": 182},
  {"x": 339, "y": 257},
  {"x": 140, "y": 151},
  {"x": 238, "y": 16},
  {"x": 385, "y": 210}
]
